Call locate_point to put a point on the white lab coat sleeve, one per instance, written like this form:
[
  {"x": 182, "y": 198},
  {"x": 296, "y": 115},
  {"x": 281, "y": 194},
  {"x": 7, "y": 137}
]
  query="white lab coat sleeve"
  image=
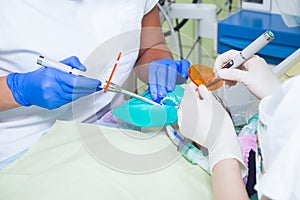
[
  {"x": 149, "y": 5},
  {"x": 282, "y": 180},
  {"x": 279, "y": 142},
  {"x": 279, "y": 113}
]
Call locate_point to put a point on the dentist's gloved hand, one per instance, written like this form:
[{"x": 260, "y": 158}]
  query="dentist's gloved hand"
[
  {"x": 203, "y": 119},
  {"x": 164, "y": 74},
  {"x": 255, "y": 74},
  {"x": 50, "y": 88}
]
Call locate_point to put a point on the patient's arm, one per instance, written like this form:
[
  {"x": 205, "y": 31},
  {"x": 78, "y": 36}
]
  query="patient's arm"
[{"x": 227, "y": 181}]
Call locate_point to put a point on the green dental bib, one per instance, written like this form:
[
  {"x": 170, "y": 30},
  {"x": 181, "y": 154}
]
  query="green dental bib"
[{"x": 140, "y": 113}]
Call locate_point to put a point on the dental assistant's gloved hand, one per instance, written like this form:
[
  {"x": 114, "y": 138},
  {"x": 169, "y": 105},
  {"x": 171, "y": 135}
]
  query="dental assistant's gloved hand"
[
  {"x": 255, "y": 74},
  {"x": 203, "y": 119},
  {"x": 164, "y": 74},
  {"x": 51, "y": 88}
]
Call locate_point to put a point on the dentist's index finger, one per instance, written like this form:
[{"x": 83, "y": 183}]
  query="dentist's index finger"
[{"x": 223, "y": 59}]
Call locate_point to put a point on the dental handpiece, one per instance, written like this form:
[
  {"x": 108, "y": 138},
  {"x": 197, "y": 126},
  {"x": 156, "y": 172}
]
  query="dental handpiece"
[
  {"x": 112, "y": 87},
  {"x": 250, "y": 50},
  {"x": 60, "y": 66}
]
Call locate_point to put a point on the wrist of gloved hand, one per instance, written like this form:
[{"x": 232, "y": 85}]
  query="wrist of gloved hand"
[
  {"x": 202, "y": 119},
  {"x": 164, "y": 74},
  {"x": 227, "y": 146},
  {"x": 14, "y": 86}
]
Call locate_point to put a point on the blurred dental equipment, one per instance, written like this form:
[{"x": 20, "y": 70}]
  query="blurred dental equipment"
[
  {"x": 290, "y": 12},
  {"x": 245, "y": 54},
  {"x": 204, "y": 16},
  {"x": 251, "y": 127},
  {"x": 287, "y": 63},
  {"x": 112, "y": 87}
]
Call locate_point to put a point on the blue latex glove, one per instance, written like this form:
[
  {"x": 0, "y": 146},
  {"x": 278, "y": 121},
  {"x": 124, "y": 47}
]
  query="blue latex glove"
[
  {"x": 51, "y": 88},
  {"x": 164, "y": 75}
]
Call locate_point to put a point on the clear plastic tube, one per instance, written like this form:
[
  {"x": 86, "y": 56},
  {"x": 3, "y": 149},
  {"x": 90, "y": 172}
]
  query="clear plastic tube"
[
  {"x": 194, "y": 155},
  {"x": 189, "y": 151}
]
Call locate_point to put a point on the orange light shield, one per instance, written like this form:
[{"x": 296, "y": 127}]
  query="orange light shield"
[{"x": 201, "y": 74}]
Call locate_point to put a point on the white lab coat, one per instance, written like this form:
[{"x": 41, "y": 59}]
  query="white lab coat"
[
  {"x": 279, "y": 137},
  {"x": 92, "y": 30}
]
